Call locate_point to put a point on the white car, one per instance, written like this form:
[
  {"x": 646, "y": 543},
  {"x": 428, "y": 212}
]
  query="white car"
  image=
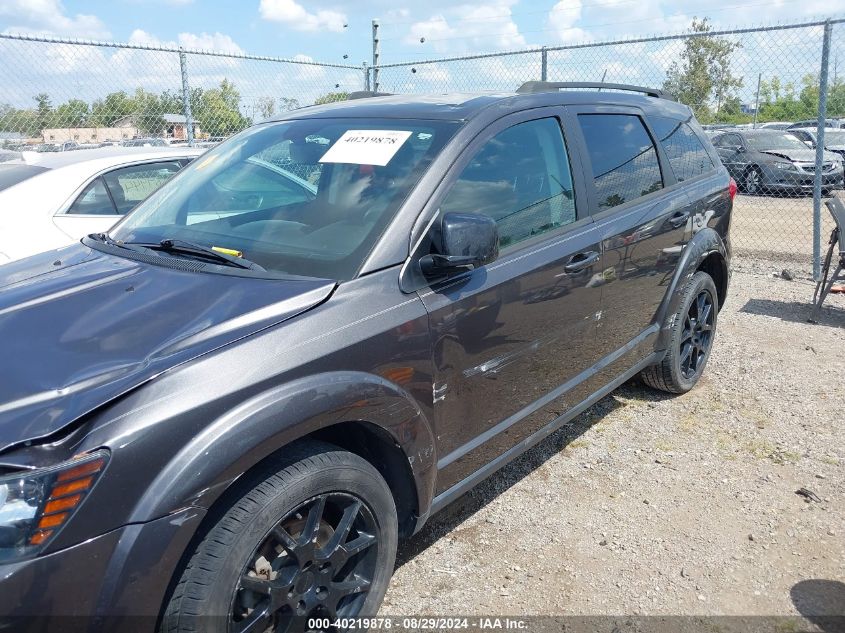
[{"x": 51, "y": 200}]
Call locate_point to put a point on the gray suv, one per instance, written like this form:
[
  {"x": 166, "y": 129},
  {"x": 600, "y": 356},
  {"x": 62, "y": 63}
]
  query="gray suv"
[{"x": 224, "y": 413}]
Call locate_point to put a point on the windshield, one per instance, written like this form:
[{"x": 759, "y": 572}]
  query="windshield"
[
  {"x": 13, "y": 174},
  {"x": 775, "y": 140},
  {"x": 306, "y": 197},
  {"x": 834, "y": 137}
]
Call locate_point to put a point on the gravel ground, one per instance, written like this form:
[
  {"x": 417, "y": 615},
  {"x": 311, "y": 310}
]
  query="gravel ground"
[{"x": 657, "y": 505}]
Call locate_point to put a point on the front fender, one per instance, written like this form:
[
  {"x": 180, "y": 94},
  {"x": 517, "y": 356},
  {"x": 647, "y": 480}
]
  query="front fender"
[
  {"x": 703, "y": 244},
  {"x": 242, "y": 437}
]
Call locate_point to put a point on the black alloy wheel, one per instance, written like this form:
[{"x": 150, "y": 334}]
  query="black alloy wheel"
[
  {"x": 692, "y": 329},
  {"x": 318, "y": 562},
  {"x": 697, "y": 335}
]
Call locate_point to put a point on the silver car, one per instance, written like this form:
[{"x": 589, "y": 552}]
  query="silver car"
[{"x": 774, "y": 161}]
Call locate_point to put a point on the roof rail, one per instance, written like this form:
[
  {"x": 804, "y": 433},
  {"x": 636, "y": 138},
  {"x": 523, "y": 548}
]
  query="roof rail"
[
  {"x": 364, "y": 94},
  {"x": 533, "y": 87}
]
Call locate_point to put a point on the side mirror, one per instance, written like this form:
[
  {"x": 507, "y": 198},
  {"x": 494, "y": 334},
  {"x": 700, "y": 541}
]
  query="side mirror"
[
  {"x": 465, "y": 241},
  {"x": 740, "y": 149}
]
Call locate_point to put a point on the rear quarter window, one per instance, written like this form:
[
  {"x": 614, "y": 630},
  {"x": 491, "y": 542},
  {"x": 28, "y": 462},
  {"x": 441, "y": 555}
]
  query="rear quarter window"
[{"x": 687, "y": 154}]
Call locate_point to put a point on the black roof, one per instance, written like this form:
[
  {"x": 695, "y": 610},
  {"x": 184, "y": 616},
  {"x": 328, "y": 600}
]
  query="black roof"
[{"x": 464, "y": 106}]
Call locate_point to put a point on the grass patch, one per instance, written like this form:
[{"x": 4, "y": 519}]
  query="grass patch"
[{"x": 766, "y": 450}]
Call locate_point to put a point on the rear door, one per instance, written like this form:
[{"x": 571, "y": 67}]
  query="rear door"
[
  {"x": 513, "y": 339},
  {"x": 642, "y": 215}
]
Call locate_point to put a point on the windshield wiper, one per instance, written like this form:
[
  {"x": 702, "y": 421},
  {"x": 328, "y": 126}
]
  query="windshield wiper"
[
  {"x": 107, "y": 239},
  {"x": 170, "y": 245}
]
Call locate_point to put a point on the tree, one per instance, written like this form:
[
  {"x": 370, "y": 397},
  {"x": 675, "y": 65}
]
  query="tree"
[
  {"x": 219, "y": 112},
  {"x": 116, "y": 105},
  {"x": 331, "y": 97},
  {"x": 703, "y": 74},
  {"x": 74, "y": 113},
  {"x": 266, "y": 107},
  {"x": 44, "y": 110},
  {"x": 289, "y": 103}
]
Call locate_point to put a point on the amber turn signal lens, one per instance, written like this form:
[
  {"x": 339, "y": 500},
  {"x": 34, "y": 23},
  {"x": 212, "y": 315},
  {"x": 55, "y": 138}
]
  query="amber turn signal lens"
[
  {"x": 74, "y": 486},
  {"x": 68, "y": 490},
  {"x": 40, "y": 537},
  {"x": 88, "y": 468},
  {"x": 52, "y": 520},
  {"x": 65, "y": 503}
]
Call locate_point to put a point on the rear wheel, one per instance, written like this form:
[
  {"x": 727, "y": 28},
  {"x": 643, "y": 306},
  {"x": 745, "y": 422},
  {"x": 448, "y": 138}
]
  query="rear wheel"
[
  {"x": 752, "y": 181},
  {"x": 693, "y": 331},
  {"x": 313, "y": 537}
]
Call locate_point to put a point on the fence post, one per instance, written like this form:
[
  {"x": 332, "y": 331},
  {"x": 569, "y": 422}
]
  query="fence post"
[
  {"x": 186, "y": 96},
  {"x": 757, "y": 99},
  {"x": 544, "y": 64},
  {"x": 376, "y": 55},
  {"x": 820, "y": 128},
  {"x": 366, "y": 70}
]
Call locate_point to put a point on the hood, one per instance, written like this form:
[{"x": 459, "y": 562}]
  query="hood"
[
  {"x": 799, "y": 155},
  {"x": 79, "y": 327}
]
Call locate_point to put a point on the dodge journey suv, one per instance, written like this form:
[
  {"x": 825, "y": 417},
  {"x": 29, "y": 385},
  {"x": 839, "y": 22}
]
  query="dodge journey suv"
[{"x": 222, "y": 414}]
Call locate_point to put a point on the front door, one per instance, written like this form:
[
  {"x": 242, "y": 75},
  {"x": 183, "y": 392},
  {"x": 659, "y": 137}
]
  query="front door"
[{"x": 509, "y": 336}]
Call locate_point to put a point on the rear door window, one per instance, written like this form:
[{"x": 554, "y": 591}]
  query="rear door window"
[
  {"x": 682, "y": 146},
  {"x": 623, "y": 158},
  {"x": 129, "y": 185}
]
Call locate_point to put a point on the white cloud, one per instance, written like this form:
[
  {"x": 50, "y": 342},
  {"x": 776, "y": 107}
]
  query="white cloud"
[
  {"x": 297, "y": 17},
  {"x": 563, "y": 17},
  {"x": 48, "y": 17},
  {"x": 469, "y": 27}
]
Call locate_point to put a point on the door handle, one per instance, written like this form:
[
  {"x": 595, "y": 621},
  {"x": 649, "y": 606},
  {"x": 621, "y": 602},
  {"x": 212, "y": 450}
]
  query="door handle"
[
  {"x": 581, "y": 261},
  {"x": 679, "y": 218}
]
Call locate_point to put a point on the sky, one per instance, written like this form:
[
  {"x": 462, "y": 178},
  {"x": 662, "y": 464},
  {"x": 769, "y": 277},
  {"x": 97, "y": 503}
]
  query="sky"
[
  {"x": 328, "y": 30},
  {"x": 410, "y": 30}
]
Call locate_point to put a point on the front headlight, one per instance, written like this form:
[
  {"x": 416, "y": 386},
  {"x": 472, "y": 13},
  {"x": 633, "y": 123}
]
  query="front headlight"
[
  {"x": 779, "y": 165},
  {"x": 34, "y": 505}
]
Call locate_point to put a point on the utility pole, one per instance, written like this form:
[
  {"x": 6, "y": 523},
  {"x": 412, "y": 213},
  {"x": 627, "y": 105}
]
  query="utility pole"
[
  {"x": 186, "y": 97},
  {"x": 757, "y": 99},
  {"x": 820, "y": 130},
  {"x": 376, "y": 55}
]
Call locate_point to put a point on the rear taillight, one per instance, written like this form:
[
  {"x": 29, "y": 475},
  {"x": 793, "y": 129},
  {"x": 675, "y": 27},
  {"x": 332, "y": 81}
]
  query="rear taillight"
[{"x": 732, "y": 189}]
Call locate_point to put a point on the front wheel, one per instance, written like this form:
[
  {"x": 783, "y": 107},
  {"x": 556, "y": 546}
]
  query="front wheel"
[
  {"x": 311, "y": 537},
  {"x": 693, "y": 331},
  {"x": 752, "y": 181}
]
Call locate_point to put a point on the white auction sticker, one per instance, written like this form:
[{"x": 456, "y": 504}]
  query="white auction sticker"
[{"x": 366, "y": 147}]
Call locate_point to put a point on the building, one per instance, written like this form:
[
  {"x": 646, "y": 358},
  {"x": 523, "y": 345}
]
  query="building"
[
  {"x": 87, "y": 134},
  {"x": 175, "y": 125}
]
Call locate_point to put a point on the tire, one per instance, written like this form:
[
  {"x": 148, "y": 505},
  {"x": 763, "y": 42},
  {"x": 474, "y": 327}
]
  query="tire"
[
  {"x": 752, "y": 181},
  {"x": 691, "y": 340},
  {"x": 260, "y": 561}
]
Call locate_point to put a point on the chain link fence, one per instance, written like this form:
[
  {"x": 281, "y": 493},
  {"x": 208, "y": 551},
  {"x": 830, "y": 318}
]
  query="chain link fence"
[
  {"x": 746, "y": 87},
  {"x": 61, "y": 94}
]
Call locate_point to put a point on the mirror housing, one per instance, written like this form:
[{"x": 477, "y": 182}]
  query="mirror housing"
[{"x": 465, "y": 241}]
